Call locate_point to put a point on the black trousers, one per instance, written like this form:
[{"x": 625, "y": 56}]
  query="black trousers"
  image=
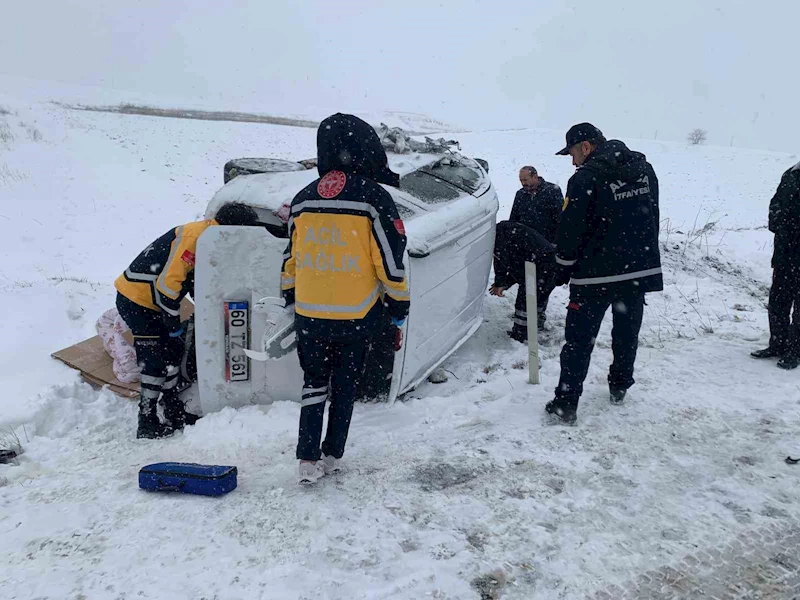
[
  {"x": 155, "y": 351},
  {"x": 516, "y": 244},
  {"x": 584, "y": 316},
  {"x": 544, "y": 288},
  {"x": 783, "y": 297},
  {"x": 331, "y": 371}
]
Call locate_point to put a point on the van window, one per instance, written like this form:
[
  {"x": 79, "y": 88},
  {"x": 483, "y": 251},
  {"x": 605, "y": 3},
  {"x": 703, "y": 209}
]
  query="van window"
[
  {"x": 428, "y": 188},
  {"x": 456, "y": 173}
]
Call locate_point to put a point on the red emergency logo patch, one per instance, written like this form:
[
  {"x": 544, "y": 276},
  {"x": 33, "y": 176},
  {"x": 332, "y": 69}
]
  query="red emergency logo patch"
[
  {"x": 332, "y": 184},
  {"x": 188, "y": 257},
  {"x": 401, "y": 228},
  {"x": 573, "y": 306}
]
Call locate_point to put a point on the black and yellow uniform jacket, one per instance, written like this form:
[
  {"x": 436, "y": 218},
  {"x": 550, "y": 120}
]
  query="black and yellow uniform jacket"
[
  {"x": 161, "y": 276},
  {"x": 347, "y": 241}
]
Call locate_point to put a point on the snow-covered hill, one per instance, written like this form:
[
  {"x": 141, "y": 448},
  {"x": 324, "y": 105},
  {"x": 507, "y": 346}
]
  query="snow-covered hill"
[
  {"x": 458, "y": 481},
  {"x": 44, "y": 92}
]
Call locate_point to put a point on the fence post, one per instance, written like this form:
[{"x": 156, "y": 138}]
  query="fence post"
[{"x": 533, "y": 321}]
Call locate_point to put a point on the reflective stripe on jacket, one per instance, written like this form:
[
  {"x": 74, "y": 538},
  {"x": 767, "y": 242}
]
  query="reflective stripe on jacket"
[
  {"x": 346, "y": 249},
  {"x": 163, "y": 273}
]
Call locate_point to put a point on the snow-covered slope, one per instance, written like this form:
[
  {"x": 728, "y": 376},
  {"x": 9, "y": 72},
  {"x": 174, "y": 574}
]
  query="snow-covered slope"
[
  {"x": 45, "y": 92},
  {"x": 457, "y": 481}
]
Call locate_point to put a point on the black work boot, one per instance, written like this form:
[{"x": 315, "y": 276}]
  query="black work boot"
[
  {"x": 768, "y": 352},
  {"x": 789, "y": 361},
  {"x": 190, "y": 418},
  {"x": 149, "y": 425},
  {"x": 175, "y": 412},
  {"x": 564, "y": 411},
  {"x": 617, "y": 395},
  {"x": 519, "y": 334}
]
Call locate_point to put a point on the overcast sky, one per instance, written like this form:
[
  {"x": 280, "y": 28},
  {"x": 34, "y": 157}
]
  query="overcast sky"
[{"x": 633, "y": 67}]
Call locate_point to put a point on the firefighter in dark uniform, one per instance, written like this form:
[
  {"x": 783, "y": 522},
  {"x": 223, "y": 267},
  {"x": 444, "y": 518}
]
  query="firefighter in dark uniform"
[
  {"x": 784, "y": 222},
  {"x": 528, "y": 235},
  {"x": 607, "y": 249},
  {"x": 149, "y": 295},
  {"x": 342, "y": 268}
]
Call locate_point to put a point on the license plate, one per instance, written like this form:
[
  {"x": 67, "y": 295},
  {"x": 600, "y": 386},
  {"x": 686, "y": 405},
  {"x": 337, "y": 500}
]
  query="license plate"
[{"x": 237, "y": 338}]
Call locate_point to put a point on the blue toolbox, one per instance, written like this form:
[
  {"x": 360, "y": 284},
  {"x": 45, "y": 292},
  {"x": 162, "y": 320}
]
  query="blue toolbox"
[{"x": 188, "y": 478}]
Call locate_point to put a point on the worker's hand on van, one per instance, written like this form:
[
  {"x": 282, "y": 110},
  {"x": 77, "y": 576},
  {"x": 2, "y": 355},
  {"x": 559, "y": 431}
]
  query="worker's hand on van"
[
  {"x": 288, "y": 297},
  {"x": 398, "y": 332},
  {"x": 497, "y": 290}
]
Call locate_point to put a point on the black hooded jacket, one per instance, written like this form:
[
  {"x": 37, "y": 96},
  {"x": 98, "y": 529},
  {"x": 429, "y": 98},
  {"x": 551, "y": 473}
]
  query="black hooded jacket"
[
  {"x": 784, "y": 219},
  {"x": 608, "y": 235},
  {"x": 348, "y": 144},
  {"x": 347, "y": 242}
]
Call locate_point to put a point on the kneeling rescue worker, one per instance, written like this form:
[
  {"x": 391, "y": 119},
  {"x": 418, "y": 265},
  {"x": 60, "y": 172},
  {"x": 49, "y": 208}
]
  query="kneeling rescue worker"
[
  {"x": 342, "y": 268},
  {"x": 149, "y": 297}
]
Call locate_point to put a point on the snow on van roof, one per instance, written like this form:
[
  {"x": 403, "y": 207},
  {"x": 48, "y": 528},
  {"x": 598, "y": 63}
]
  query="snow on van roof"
[{"x": 271, "y": 190}]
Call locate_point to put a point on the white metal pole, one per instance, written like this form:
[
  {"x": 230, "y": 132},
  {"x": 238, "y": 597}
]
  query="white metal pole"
[{"x": 533, "y": 320}]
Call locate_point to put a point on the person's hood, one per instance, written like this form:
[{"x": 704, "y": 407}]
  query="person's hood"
[
  {"x": 346, "y": 143},
  {"x": 614, "y": 160}
]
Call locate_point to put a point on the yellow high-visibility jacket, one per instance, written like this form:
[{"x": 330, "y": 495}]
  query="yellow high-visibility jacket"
[
  {"x": 345, "y": 251},
  {"x": 163, "y": 273}
]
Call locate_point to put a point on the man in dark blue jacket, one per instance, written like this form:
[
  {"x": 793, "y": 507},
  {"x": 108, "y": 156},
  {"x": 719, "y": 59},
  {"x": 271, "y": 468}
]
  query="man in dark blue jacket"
[
  {"x": 537, "y": 204},
  {"x": 528, "y": 235},
  {"x": 607, "y": 249}
]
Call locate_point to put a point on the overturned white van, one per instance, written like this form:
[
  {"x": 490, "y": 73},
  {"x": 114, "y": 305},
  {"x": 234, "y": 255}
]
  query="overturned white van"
[{"x": 449, "y": 208}]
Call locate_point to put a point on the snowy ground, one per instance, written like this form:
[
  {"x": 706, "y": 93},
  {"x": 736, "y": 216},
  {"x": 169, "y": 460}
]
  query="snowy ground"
[{"x": 457, "y": 481}]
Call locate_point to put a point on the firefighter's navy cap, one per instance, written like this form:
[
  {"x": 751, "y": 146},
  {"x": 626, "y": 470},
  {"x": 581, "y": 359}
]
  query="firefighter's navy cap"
[{"x": 582, "y": 132}]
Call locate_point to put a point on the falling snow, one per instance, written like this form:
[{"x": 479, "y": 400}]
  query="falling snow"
[{"x": 456, "y": 489}]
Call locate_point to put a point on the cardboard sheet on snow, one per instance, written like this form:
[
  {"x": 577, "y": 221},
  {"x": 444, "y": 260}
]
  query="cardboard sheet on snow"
[{"x": 96, "y": 365}]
